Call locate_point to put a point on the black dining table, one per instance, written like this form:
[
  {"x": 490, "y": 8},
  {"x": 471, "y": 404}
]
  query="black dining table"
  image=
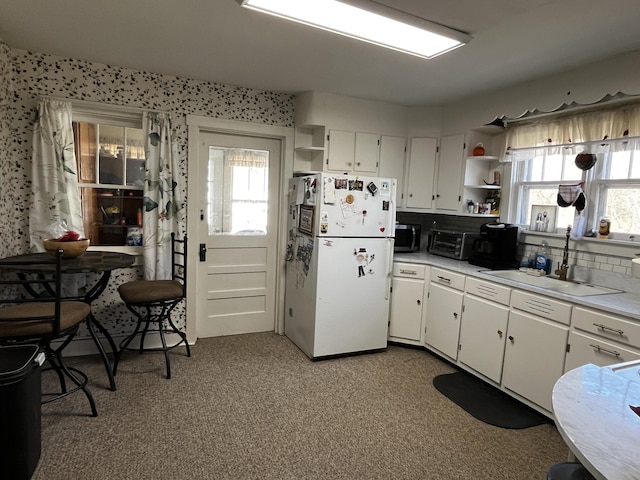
[{"x": 95, "y": 261}]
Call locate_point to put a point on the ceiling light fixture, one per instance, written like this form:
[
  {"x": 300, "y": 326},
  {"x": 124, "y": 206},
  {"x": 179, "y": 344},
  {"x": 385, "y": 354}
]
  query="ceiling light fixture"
[{"x": 369, "y": 21}]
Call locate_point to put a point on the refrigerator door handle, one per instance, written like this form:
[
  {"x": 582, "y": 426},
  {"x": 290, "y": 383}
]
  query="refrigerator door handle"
[{"x": 387, "y": 292}]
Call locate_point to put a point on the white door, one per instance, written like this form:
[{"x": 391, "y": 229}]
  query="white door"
[
  {"x": 444, "y": 308},
  {"x": 342, "y": 150},
  {"x": 405, "y": 316},
  {"x": 422, "y": 167},
  {"x": 450, "y": 164},
  {"x": 352, "y": 294},
  {"x": 483, "y": 330},
  {"x": 393, "y": 151},
  {"x": 534, "y": 357},
  {"x": 237, "y": 233}
]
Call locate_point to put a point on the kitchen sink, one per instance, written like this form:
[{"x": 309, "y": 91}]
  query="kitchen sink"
[{"x": 551, "y": 283}]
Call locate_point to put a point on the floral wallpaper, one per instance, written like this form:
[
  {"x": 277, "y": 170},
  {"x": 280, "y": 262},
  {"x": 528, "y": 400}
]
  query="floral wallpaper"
[{"x": 26, "y": 76}]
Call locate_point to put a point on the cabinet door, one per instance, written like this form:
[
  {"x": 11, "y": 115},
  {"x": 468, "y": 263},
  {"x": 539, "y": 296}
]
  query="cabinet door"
[
  {"x": 422, "y": 166},
  {"x": 444, "y": 308},
  {"x": 483, "y": 331},
  {"x": 341, "y": 150},
  {"x": 392, "y": 159},
  {"x": 367, "y": 152},
  {"x": 405, "y": 316},
  {"x": 449, "y": 182},
  {"x": 534, "y": 357}
]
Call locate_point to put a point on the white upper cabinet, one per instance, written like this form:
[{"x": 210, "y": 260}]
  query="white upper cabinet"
[
  {"x": 392, "y": 161},
  {"x": 450, "y": 166},
  {"x": 353, "y": 152},
  {"x": 421, "y": 171},
  {"x": 342, "y": 148},
  {"x": 367, "y": 153}
]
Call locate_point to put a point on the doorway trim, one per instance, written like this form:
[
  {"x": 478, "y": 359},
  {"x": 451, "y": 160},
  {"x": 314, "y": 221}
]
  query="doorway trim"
[{"x": 196, "y": 125}]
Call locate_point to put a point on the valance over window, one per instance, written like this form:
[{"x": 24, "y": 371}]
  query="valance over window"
[{"x": 587, "y": 131}]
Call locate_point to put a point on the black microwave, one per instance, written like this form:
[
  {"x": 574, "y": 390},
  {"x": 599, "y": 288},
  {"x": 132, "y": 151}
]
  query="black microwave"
[{"x": 407, "y": 237}]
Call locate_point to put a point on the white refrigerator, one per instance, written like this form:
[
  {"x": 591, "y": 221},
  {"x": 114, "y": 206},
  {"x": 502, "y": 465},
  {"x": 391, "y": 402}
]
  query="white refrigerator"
[{"x": 340, "y": 255}]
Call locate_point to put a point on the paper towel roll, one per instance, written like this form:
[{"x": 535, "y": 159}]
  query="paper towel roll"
[{"x": 635, "y": 267}]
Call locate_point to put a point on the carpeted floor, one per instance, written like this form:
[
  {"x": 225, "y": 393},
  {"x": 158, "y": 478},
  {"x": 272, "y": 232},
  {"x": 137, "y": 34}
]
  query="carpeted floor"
[{"x": 254, "y": 407}]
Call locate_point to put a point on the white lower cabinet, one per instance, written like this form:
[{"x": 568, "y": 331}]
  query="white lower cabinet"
[
  {"x": 407, "y": 303},
  {"x": 534, "y": 357},
  {"x": 521, "y": 341},
  {"x": 444, "y": 311},
  {"x": 601, "y": 339},
  {"x": 483, "y": 328}
]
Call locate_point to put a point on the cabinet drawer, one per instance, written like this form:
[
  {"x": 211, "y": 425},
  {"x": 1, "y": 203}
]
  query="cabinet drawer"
[
  {"x": 612, "y": 328},
  {"x": 490, "y": 291},
  {"x": 541, "y": 306},
  {"x": 585, "y": 349},
  {"x": 450, "y": 279},
  {"x": 409, "y": 270}
]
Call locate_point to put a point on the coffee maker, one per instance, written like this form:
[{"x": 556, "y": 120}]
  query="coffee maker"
[{"x": 496, "y": 247}]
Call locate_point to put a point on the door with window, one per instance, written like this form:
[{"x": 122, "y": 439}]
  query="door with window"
[{"x": 237, "y": 233}]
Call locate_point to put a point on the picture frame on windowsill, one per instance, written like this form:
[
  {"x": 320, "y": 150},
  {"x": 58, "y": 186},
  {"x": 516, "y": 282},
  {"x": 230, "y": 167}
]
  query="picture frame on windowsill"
[{"x": 543, "y": 218}]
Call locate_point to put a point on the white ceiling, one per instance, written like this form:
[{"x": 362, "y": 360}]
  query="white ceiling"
[{"x": 218, "y": 41}]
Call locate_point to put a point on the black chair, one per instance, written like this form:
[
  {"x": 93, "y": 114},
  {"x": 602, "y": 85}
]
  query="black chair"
[
  {"x": 568, "y": 471},
  {"x": 49, "y": 322},
  {"x": 153, "y": 301}
]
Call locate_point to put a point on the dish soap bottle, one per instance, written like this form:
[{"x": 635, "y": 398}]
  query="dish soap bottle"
[{"x": 543, "y": 258}]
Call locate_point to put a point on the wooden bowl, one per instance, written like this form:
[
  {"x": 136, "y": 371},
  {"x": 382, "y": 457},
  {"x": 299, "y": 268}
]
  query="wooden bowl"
[{"x": 71, "y": 249}]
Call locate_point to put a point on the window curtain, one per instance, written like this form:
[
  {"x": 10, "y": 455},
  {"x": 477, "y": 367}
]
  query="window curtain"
[
  {"x": 55, "y": 196},
  {"x": 247, "y": 158},
  {"x": 163, "y": 204},
  {"x": 591, "y": 132}
]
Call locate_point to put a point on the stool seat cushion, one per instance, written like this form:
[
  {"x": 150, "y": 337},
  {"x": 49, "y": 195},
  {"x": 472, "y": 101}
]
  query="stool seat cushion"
[
  {"x": 150, "y": 291},
  {"x": 37, "y": 318},
  {"x": 568, "y": 471}
]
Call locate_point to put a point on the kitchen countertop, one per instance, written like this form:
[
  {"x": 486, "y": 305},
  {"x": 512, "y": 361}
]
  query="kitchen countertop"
[{"x": 625, "y": 303}]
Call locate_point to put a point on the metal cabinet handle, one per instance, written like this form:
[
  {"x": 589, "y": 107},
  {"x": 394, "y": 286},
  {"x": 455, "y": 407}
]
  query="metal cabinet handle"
[
  {"x": 600, "y": 349},
  {"x": 500, "y": 333},
  {"x": 511, "y": 339},
  {"x": 604, "y": 327},
  {"x": 411, "y": 195},
  {"x": 409, "y": 272},
  {"x": 455, "y": 314},
  {"x": 419, "y": 302},
  {"x": 444, "y": 279}
]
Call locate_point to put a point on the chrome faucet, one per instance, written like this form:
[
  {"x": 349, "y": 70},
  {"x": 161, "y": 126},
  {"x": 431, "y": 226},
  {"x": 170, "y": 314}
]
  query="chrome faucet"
[{"x": 564, "y": 267}]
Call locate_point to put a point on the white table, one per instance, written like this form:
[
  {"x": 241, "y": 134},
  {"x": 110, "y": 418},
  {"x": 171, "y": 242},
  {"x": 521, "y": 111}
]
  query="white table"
[{"x": 591, "y": 407}]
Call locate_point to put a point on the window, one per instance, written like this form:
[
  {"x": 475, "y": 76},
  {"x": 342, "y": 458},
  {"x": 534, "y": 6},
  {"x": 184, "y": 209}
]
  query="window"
[
  {"x": 612, "y": 186},
  {"x": 238, "y": 187},
  {"x": 537, "y": 180},
  {"x": 616, "y": 185},
  {"x": 110, "y": 158}
]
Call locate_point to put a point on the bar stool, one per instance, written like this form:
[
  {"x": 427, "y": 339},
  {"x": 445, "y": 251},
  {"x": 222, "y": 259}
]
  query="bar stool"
[
  {"x": 152, "y": 302},
  {"x": 568, "y": 471}
]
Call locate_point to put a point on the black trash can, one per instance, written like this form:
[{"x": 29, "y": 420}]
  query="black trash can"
[{"x": 20, "y": 394}]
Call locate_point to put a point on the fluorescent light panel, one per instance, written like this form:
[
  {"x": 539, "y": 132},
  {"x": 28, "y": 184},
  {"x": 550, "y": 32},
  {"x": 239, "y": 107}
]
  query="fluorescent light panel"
[{"x": 373, "y": 23}]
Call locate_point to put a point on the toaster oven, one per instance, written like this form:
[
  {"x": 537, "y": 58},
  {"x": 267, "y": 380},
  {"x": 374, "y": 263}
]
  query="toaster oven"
[{"x": 452, "y": 244}]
